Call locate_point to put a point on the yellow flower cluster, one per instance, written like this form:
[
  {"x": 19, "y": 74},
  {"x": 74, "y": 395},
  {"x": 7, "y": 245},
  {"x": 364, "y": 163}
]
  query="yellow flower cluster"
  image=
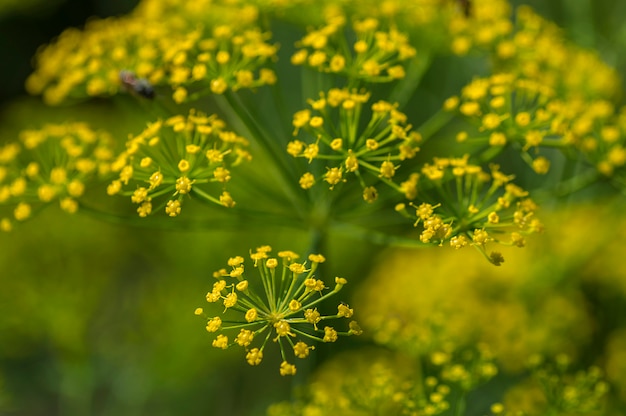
[
  {"x": 476, "y": 207},
  {"x": 179, "y": 157},
  {"x": 419, "y": 17},
  {"x": 481, "y": 25},
  {"x": 524, "y": 310},
  {"x": 280, "y": 306},
  {"x": 335, "y": 123},
  {"x": 600, "y": 135},
  {"x": 465, "y": 368},
  {"x": 373, "y": 377},
  {"x": 555, "y": 387},
  {"x": 505, "y": 110},
  {"x": 532, "y": 326},
  {"x": 376, "y": 54},
  {"x": 539, "y": 50},
  {"x": 509, "y": 106},
  {"x": 163, "y": 43},
  {"x": 55, "y": 163},
  {"x": 532, "y": 48},
  {"x": 381, "y": 382}
]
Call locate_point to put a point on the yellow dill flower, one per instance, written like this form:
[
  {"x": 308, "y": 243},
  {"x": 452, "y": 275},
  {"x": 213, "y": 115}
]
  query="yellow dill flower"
[
  {"x": 464, "y": 368},
  {"x": 599, "y": 133},
  {"x": 553, "y": 385},
  {"x": 205, "y": 151},
  {"x": 189, "y": 50},
  {"x": 479, "y": 207},
  {"x": 281, "y": 311},
  {"x": 549, "y": 322},
  {"x": 527, "y": 114},
  {"x": 355, "y": 137},
  {"x": 542, "y": 53},
  {"x": 56, "y": 162},
  {"x": 372, "y": 381},
  {"x": 378, "y": 52},
  {"x": 487, "y": 25},
  {"x": 372, "y": 151}
]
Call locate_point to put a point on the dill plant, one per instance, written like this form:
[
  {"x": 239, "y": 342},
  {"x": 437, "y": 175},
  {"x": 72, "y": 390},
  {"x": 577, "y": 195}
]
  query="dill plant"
[{"x": 312, "y": 115}]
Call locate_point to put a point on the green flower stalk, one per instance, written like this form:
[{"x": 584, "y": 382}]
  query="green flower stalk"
[{"x": 282, "y": 310}]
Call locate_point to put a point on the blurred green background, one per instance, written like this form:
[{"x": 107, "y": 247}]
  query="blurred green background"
[{"x": 97, "y": 318}]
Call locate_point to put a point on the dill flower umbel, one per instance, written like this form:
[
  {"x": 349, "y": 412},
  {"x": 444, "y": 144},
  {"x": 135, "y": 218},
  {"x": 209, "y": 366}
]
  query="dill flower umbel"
[
  {"x": 358, "y": 139},
  {"x": 280, "y": 306},
  {"x": 374, "y": 381},
  {"x": 480, "y": 27},
  {"x": 55, "y": 163},
  {"x": 441, "y": 319},
  {"x": 370, "y": 381},
  {"x": 334, "y": 123},
  {"x": 506, "y": 111},
  {"x": 463, "y": 368},
  {"x": 476, "y": 207},
  {"x": 600, "y": 136},
  {"x": 377, "y": 54},
  {"x": 537, "y": 49},
  {"x": 176, "y": 158},
  {"x": 555, "y": 386},
  {"x": 180, "y": 45}
]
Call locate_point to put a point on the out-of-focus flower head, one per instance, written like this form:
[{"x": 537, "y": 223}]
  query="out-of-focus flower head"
[
  {"x": 431, "y": 304},
  {"x": 55, "y": 163},
  {"x": 555, "y": 386},
  {"x": 538, "y": 50},
  {"x": 480, "y": 27},
  {"x": 374, "y": 381},
  {"x": 504, "y": 110}
]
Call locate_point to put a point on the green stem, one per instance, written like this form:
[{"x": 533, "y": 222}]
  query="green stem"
[
  {"x": 404, "y": 90},
  {"x": 376, "y": 237},
  {"x": 235, "y": 218},
  {"x": 289, "y": 293},
  {"x": 285, "y": 175},
  {"x": 206, "y": 196},
  {"x": 434, "y": 124},
  {"x": 459, "y": 408},
  {"x": 570, "y": 186}
]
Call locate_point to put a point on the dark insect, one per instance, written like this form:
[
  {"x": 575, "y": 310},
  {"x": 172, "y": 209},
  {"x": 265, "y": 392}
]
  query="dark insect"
[
  {"x": 139, "y": 86},
  {"x": 466, "y": 6}
]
